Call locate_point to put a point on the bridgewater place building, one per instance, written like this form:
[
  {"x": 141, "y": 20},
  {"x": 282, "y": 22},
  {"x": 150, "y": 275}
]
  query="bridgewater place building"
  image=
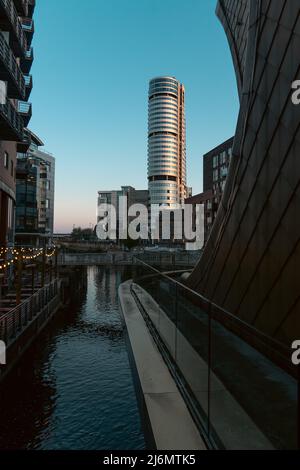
[{"x": 166, "y": 142}]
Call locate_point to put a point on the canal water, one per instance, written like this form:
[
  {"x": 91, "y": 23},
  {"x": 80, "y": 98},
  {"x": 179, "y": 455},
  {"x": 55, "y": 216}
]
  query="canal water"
[{"x": 73, "y": 388}]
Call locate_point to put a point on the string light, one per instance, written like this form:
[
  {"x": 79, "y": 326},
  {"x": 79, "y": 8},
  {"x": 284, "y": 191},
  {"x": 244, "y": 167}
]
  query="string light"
[
  {"x": 24, "y": 253},
  {"x": 8, "y": 263},
  {"x": 49, "y": 255}
]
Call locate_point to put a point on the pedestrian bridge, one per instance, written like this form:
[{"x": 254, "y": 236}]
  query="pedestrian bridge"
[{"x": 181, "y": 259}]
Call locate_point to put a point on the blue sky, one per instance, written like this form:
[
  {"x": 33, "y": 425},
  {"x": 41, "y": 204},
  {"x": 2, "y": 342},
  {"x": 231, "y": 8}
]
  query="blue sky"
[{"x": 93, "y": 61}]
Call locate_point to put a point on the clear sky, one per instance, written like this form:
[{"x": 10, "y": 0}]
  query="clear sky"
[{"x": 93, "y": 62}]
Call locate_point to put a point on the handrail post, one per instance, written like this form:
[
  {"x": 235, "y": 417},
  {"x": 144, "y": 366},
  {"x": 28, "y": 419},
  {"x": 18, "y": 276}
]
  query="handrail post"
[
  {"x": 5, "y": 330},
  {"x": 50, "y": 268},
  {"x": 43, "y": 266},
  {"x": 56, "y": 262},
  {"x": 32, "y": 278},
  {"x": 19, "y": 279}
]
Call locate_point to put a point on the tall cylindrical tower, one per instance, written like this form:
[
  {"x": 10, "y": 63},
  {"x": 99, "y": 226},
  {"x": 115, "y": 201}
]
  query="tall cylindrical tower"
[{"x": 166, "y": 142}]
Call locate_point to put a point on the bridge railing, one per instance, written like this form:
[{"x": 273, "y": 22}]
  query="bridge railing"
[{"x": 118, "y": 258}]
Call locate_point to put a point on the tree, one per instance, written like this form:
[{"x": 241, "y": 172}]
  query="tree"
[{"x": 79, "y": 234}]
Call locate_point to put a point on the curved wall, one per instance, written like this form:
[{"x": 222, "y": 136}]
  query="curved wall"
[{"x": 250, "y": 266}]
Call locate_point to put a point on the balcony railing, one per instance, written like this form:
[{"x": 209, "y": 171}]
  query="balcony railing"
[
  {"x": 28, "y": 84},
  {"x": 12, "y": 124},
  {"x": 239, "y": 384},
  {"x": 27, "y": 61},
  {"x": 22, "y": 7},
  {"x": 28, "y": 28},
  {"x": 31, "y": 7},
  {"x": 13, "y": 323},
  {"x": 9, "y": 16},
  {"x": 25, "y": 110},
  {"x": 10, "y": 71},
  {"x": 24, "y": 145}
]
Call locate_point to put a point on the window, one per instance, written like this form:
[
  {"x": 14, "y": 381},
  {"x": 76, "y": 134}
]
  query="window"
[
  {"x": 12, "y": 168},
  {"x": 223, "y": 158},
  {"x": 216, "y": 175},
  {"x": 6, "y": 160},
  {"x": 215, "y": 161},
  {"x": 47, "y": 203},
  {"x": 224, "y": 171},
  {"x": 46, "y": 185}
]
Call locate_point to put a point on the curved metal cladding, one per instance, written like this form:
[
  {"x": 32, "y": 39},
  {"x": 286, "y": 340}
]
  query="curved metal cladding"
[
  {"x": 250, "y": 265},
  {"x": 234, "y": 15},
  {"x": 166, "y": 142}
]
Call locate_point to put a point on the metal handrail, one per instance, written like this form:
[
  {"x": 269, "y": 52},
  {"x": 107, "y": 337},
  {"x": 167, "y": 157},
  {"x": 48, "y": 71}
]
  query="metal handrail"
[
  {"x": 14, "y": 321},
  {"x": 27, "y": 25},
  {"x": 22, "y": 7},
  {"x": 180, "y": 259},
  {"x": 12, "y": 65},
  {"x": 29, "y": 299},
  {"x": 279, "y": 350},
  {"x": 11, "y": 115},
  {"x": 14, "y": 19}
]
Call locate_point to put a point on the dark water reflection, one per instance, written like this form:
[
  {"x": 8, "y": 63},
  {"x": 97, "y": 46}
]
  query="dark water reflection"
[{"x": 73, "y": 388}]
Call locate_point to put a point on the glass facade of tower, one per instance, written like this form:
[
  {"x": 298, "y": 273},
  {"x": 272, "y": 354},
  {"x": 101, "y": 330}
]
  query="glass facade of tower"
[{"x": 166, "y": 142}]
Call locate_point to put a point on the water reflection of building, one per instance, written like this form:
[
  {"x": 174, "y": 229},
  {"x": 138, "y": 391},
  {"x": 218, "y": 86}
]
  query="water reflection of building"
[{"x": 35, "y": 195}]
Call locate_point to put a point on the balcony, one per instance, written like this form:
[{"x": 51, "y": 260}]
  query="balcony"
[
  {"x": 11, "y": 72},
  {"x": 28, "y": 85},
  {"x": 31, "y": 7},
  {"x": 9, "y": 21},
  {"x": 28, "y": 29},
  {"x": 25, "y": 111},
  {"x": 27, "y": 61},
  {"x": 21, "y": 7},
  {"x": 24, "y": 145},
  {"x": 11, "y": 123}
]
